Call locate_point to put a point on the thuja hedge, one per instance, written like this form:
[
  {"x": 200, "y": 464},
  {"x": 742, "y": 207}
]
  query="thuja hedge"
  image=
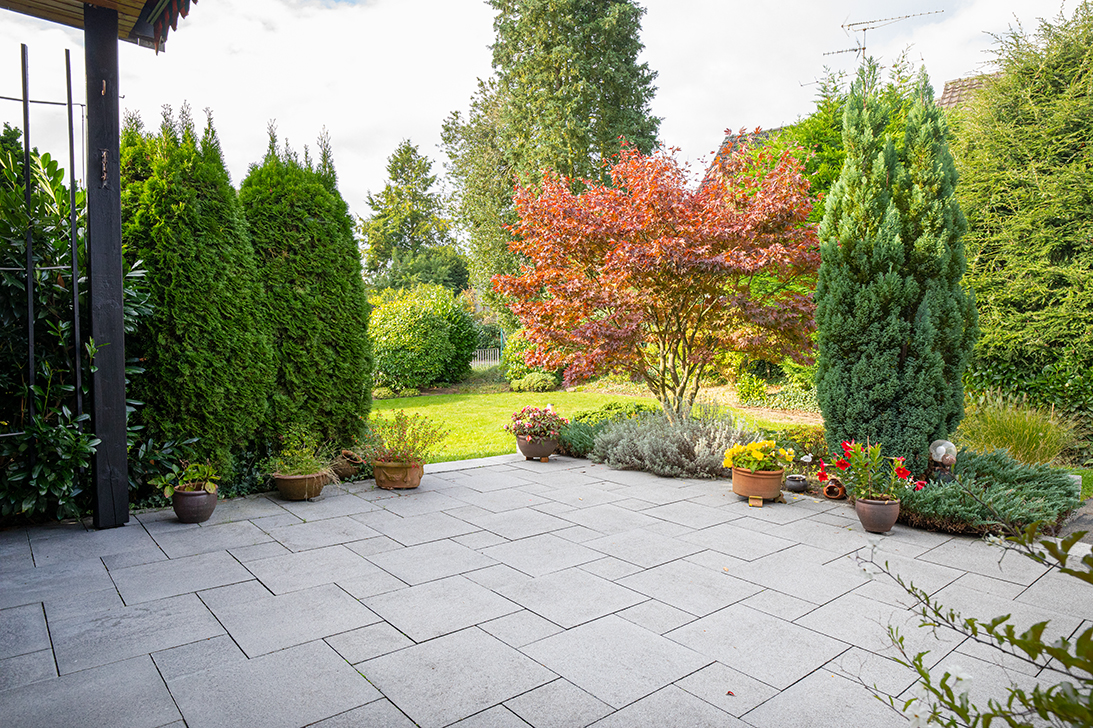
[{"x": 315, "y": 299}]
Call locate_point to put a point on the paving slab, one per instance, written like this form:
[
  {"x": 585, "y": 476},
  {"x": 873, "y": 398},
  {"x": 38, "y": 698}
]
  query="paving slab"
[
  {"x": 655, "y": 616},
  {"x": 66, "y": 546},
  {"x": 58, "y": 580},
  {"x": 739, "y": 542},
  {"x": 433, "y": 560},
  {"x": 571, "y": 596},
  {"x": 23, "y": 630},
  {"x": 520, "y": 628},
  {"x": 247, "y": 508},
  {"x": 319, "y": 533},
  {"x": 418, "y": 503},
  {"x": 161, "y": 579},
  {"x": 432, "y": 684},
  {"x": 728, "y": 689},
  {"x": 670, "y": 706},
  {"x": 980, "y": 557},
  {"x": 365, "y": 643},
  {"x": 379, "y": 713},
  {"x": 643, "y": 548},
  {"x": 558, "y": 704},
  {"x": 216, "y": 652},
  {"x": 426, "y": 527},
  {"x": 686, "y": 513},
  {"x": 824, "y": 698},
  {"x": 513, "y": 525},
  {"x": 21, "y": 670},
  {"x": 204, "y": 539},
  {"x": 609, "y": 518},
  {"x": 439, "y": 607},
  {"x": 692, "y": 588},
  {"x": 496, "y": 717},
  {"x": 539, "y": 555},
  {"x": 798, "y": 572},
  {"x": 610, "y": 568},
  {"x": 305, "y": 569},
  {"x": 332, "y": 504}
]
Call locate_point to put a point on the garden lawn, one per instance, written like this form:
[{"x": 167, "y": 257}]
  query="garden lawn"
[{"x": 475, "y": 420}]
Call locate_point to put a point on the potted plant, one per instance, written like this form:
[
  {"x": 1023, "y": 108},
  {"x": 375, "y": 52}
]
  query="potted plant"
[
  {"x": 192, "y": 490},
  {"x": 399, "y": 448},
  {"x": 757, "y": 469},
  {"x": 347, "y": 464},
  {"x": 537, "y": 431},
  {"x": 301, "y": 468},
  {"x": 873, "y": 481}
]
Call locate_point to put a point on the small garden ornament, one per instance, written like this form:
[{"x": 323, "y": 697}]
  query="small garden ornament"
[
  {"x": 942, "y": 459},
  {"x": 537, "y": 431}
]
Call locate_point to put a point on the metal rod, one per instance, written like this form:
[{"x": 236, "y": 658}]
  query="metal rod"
[
  {"x": 76, "y": 340},
  {"x": 38, "y": 101},
  {"x": 27, "y": 198}
]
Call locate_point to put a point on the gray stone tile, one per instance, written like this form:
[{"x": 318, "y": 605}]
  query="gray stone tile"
[
  {"x": 334, "y": 505},
  {"x": 741, "y": 543},
  {"x": 519, "y": 524},
  {"x": 479, "y": 540},
  {"x": 496, "y": 717},
  {"x": 642, "y": 548},
  {"x": 102, "y": 637},
  {"x": 424, "y": 528},
  {"x": 923, "y": 574},
  {"x": 23, "y": 630},
  {"x": 656, "y": 617},
  {"x": 377, "y": 714},
  {"x": 224, "y": 597},
  {"x": 15, "y": 552},
  {"x": 610, "y": 568},
  {"x": 267, "y": 691},
  {"x": 670, "y": 706},
  {"x": 615, "y": 660},
  {"x": 178, "y": 576},
  {"x": 689, "y": 514},
  {"x": 73, "y": 605},
  {"x": 87, "y": 544},
  {"x": 326, "y": 532},
  {"x": 305, "y": 569},
  {"x": 554, "y": 508},
  {"x": 496, "y": 576},
  {"x": 578, "y": 498},
  {"x": 578, "y": 534},
  {"x": 371, "y": 546},
  {"x": 728, "y": 689},
  {"x": 609, "y": 519},
  {"x": 486, "y": 481},
  {"x": 981, "y": 558},
  {"x": 558, "y": 704},
  {"x": 374, "y": 581},
  {"x": 520, "y": 628},
  {"x": 624, "y": 477},
  {"x": 633, "y": 504},
  {"x": 421, "y": 502},
  {"x": 542, "y": 554},
  {"x": 770, "y": 513},
  {"x": 838, "y": 541},
  {"x": 824, "y": 698},
  {"x": 15, "y": 672},
  {"x": 245, "y": 554},
  {"x": 274, "y": 623},
  {"x": 571, "y": 596},
  {"x": 429, "y": 561},
  {"x": 498, "y": 501},
  {"x": 779, "y": 605},
  {"x": 204, "y": 539},
  {"x": 690, "y": 587},
  {"x": 766, "y": 648},
  {"x": 1060, "y": 593},
  {"x": 61, "y": 579},
  {"x": 570, "y": 478},
  {"x": 284, "y": 518},
  {"x": 439, "y": 607},
  {"x": 884, "y": 674},
  {"x": 432, "y": 684},
  {"x": 216, "y": 652},
  {"x": 246, "y": 508},
  {"x": 127, "y": 694},
  {"x": 125, "y": 559},
  {"x": 795, "y": 572},
  {"x": 365, "y": 643}
]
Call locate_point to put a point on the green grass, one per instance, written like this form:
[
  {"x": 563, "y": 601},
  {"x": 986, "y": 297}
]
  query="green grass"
[
  {"x": 1087, "y": 481},
  {"x": 475, "y": 420}
]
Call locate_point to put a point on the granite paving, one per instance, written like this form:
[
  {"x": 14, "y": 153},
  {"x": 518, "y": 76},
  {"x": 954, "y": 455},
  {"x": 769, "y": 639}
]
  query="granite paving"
[{"x": 501, "y": 593}]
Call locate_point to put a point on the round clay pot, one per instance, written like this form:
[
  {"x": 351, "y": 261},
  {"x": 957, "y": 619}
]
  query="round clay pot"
[
  {"x": 834, "y": 489},
  {"x": 796, "y": 483},
  {"x": 398, "y": 476},
  {"x": 536, "y": 450},
  {"x": 193, "y": 506},
  {"x": 877, "y": 516},
  {"x": 300, "y": 487},
  {"x": 347, "y": 464},
  {"x": 766, "y": 484}
]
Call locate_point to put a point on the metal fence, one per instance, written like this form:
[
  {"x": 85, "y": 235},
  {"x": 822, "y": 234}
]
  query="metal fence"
[{"x": 485, "y": 358}]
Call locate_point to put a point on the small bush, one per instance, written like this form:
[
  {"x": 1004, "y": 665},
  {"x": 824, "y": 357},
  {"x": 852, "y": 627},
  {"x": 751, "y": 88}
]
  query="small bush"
[
  {"x": 578, "y": 438},
  {"x": 383, "y": 393},
  {"x": 794, "y": 398},
  {"x": 1018, "y": 493},
  {"x": 751, "y": 391},
  {"x": 409, "y": 392},
  {"x": 512, "y": 358},
  {"x": 1030, "y": 434},
  {"x": 615, "y": 411},
  {"x": 693, "y": 447},
  {"x": 804, "y": 439},
  {"x": 799, "y": 376},
  {"x": 535, "y": 382}
]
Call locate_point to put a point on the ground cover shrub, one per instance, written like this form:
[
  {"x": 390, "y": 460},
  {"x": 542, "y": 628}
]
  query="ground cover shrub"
[
  {"x": 612, "y": 411},
  {"x": 688, "y": 447},
  {"x": 794, "y": 398},
  {"x": 578, "y": 438},
  {"x": 383, "y": 393},
  {"x": 751, "y": 390},
  {"x": 410, "y": 392},
  {"x": 1029, "y": 434},
  {"x": 535, "y": 382},
  {"x": 1005, "y": 489}
]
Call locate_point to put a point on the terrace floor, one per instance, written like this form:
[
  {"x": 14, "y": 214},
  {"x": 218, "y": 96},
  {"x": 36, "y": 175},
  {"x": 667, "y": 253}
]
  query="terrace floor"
[{"x": 502, "y": 592}]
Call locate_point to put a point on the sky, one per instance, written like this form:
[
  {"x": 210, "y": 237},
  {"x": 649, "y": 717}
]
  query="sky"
[{"x": 376, "y": 72}]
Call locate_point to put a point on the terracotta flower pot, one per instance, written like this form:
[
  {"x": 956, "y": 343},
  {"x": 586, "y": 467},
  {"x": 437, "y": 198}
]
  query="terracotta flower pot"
[
  {"x": 193, "y": 506},
  {"x": 877, "y": 516},
  {"x": 347, "y": 464},
  {"x": 300, "y": 487},
  {"x": 766, "y": 484},
  {"x": 398, "y": 476},
  {"x": 536, "y": 450}
]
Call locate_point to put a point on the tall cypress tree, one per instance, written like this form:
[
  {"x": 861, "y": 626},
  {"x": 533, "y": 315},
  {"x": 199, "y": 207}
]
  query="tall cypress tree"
[
  {"x": 895, "y": 328},
  {"x": 205, "y": 349},
  {"x": 315, "y": 298}
]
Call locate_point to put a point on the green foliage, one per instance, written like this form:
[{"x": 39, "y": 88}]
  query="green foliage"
[
  {"x": 895, "y": 327},
  {"x": 800, "y": 376},
  {"x": 513, "y": 363},
  {"x": 1024, "y": 146},
  {"x": 794, "y": 398},
  {"x": 1004, "y": 490},
  {"x": 613, "y": 411},
  {"x": 444, "y": 266},
  {"x": 567, "y": 85},
  {"x": 300, "y": 453},
  {"x": 410, "y": 392},
  {"x": 577, "y": 439},
  {"x": 803, "y": 439},
  {"x": 751, "y": 391},
  {"x": 192, "y": 477},
  {"x": 535, "y": 382},
  {"x": 404, "y": 438},
  {"x": 1029, "y": 434},
  {"x": 383, "y": 393},
  {"x": 208, "y": 366},
  {"x": 314, "y": 294}
]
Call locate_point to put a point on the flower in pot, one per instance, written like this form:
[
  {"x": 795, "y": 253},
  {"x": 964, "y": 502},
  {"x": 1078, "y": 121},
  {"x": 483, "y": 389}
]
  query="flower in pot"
[
  {"x": 192, "y": 490},
  {"x": 399, "y": 448},
  {"x": 757, "y": 468},
  {"x": 874, "y": 482},
  {"x": 537, "y": 431},
  {"x": 302, "y": 467}
]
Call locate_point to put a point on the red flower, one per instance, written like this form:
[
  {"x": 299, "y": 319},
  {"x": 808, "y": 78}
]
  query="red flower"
[
  {"x": 822, "y": 477},
  {"x": 903, "y": 473},
  {"x": 842, "y": 464},
  {"x": 920, "y": 485},
  {"x": 848, "y": 445}
]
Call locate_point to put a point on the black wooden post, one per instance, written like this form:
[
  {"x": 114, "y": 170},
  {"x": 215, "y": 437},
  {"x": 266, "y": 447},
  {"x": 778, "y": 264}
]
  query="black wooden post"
[{"x": 105, "y": 267}]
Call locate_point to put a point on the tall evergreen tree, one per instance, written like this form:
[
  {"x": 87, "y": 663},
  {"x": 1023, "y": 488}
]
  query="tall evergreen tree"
[
  {"x": 895, "y": 327},
  {"x": 310, "y": 266},
  {"x": 205, "y": 350},
  {"x": 567, "y": 85}
]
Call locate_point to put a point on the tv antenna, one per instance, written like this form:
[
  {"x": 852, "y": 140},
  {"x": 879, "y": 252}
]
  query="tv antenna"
[{"x": 865, "y": 26}]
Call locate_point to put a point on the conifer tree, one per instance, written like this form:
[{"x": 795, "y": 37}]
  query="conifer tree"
[
  {"x": 315, "y": 298},
  {"x": 205, "y": 349},
  {"x": 895, "y": 327}
]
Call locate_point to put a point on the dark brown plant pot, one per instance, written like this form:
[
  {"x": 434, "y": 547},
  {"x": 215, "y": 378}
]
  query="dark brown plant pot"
[
  {"x": 300, "y": 487},
  {"x": 877, "y": 516},
  {"x": 536, "y": 449},
  {"x": 765, "y": 484},
  {"x": 347, "y": 464},
  {"x": 834, "y": 490},
  {"x": 796, "y": 483},
  {"x": 398, "y": 476},
  {"x": 193, "y": 506}
]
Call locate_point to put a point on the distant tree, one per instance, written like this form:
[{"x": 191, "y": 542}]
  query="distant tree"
[
  {"x": 567, "y": 86},
  {"x": 895, "y": 326},
  {"x": 653, "y": 278},
  {"x": 310, "y": 266}
]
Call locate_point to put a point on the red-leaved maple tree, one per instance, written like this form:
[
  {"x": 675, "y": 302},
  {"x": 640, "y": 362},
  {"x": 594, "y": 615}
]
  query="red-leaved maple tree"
[{"x": 654, "y": 277}]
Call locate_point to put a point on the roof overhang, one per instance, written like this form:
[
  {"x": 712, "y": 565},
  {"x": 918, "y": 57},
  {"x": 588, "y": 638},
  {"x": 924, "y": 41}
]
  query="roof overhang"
[{"x": 144, "y": 22}]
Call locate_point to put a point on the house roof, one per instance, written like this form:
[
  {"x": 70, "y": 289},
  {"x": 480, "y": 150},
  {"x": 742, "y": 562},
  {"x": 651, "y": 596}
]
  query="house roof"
[
  {"x": 144, "y": 22},
  {"x": 960, "y": 91}
]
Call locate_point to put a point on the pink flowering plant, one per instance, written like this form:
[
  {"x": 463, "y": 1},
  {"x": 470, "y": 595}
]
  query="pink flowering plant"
[
  {"x": 537, "y": 424},
  {"x": 868, "y": 475}
]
